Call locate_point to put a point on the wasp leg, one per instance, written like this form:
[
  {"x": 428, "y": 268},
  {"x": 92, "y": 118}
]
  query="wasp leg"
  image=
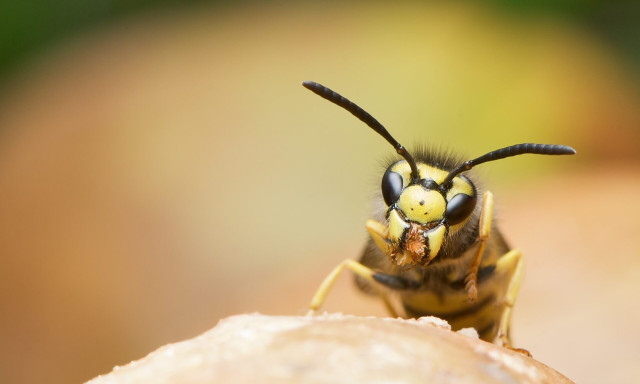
[
  {"x": 357, "y": 268},
  {"x": 380, "y": 235},
  {"x": 511, "y": 265},
  {"x": 484, "y": 230}
]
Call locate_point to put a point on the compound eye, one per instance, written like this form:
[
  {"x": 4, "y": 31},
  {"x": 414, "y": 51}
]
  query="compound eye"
[
  {"x": 459, "y": 208},
  {"x": 391, "y": 187}
]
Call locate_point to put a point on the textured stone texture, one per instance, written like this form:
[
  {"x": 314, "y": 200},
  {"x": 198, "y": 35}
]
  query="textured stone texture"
[{"x": 332, "y": 348}]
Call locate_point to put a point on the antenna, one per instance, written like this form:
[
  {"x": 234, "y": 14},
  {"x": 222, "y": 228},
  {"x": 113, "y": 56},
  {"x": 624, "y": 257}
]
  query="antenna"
[
  {"x": 366, "y": 118},
  {"x": 513, "y": 150}
]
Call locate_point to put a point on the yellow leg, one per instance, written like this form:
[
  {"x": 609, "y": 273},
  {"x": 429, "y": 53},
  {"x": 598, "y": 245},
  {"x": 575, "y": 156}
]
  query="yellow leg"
[
  {"x": 484, "y": 229},
  {"x": 512, "y": 266},
  {"x": 358, "y": 269},
  {"x": 380, "y": 235}
]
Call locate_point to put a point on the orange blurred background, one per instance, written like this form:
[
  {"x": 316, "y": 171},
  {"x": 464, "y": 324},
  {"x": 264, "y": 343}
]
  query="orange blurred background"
[{"x": 165, "y": 170}]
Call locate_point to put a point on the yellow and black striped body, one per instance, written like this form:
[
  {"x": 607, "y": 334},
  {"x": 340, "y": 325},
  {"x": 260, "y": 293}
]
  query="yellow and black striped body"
[{"x": 441, "y": 289}]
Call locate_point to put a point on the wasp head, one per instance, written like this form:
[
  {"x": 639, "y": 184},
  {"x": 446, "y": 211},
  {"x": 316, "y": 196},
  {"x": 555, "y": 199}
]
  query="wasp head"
[
  {"x": 421, "y": 211},
  {"x": 425, "y": 204}
]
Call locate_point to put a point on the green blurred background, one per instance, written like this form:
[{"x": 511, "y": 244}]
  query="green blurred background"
[{"x": 161, "y": 167}]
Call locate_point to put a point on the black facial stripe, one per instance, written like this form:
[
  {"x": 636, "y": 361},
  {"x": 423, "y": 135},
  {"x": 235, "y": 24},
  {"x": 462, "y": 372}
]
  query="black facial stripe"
[
  {"x": 427, "y": 250},
  {"x": 429, "y": 184},
  {"x": 403, "y": 238}
]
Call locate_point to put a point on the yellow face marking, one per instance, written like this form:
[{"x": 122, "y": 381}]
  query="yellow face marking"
[
  {"x": 459, "y": 185},
  {"x": 421, "y": 205},
  {"x": 435, "y": 237},
  {"x": 396, "y": 226},
  {"x": 425, "y": 171}
]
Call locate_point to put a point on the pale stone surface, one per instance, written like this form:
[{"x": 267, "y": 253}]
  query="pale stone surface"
[{"x": 331, "y": 349}]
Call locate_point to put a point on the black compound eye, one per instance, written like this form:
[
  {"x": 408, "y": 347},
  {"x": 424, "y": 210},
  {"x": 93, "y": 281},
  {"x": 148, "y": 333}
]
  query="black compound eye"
[
  {"x": 459, "y": 208},
  {"x": 391, "y": 186}
]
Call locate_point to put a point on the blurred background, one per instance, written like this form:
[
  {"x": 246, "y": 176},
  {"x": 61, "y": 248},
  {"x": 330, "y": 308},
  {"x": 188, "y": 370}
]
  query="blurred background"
[{"x": 162, "y": 168}]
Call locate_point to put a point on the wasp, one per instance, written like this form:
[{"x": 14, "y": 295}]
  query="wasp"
[{"x": 433, "y": 240}]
